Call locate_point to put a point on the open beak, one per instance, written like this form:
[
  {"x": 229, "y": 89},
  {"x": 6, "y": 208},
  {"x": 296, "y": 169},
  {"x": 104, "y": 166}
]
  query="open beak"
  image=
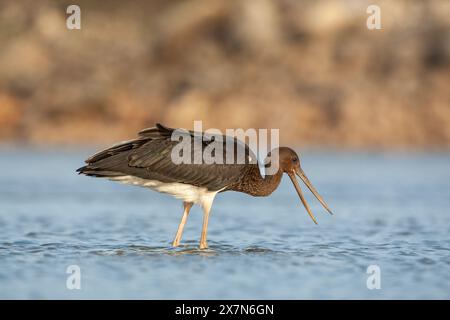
[{"x": 305, "y": 179}]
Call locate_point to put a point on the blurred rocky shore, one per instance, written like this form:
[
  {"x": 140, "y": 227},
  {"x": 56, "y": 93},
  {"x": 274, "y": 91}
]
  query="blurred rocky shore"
[{"x": 310, "y": 68}]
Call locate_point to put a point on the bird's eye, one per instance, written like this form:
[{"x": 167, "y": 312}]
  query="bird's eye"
[{"x": 295, "y": 159}]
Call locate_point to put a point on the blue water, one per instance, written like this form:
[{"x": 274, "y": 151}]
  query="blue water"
[{"x": 391, "y": 210}]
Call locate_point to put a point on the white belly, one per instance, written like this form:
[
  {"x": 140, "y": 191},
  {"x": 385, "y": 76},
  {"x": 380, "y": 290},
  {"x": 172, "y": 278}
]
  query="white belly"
[{"x": 183, "y": 191}]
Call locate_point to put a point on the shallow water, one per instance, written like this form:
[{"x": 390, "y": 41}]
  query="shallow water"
[{"x": 391, "y": 210}]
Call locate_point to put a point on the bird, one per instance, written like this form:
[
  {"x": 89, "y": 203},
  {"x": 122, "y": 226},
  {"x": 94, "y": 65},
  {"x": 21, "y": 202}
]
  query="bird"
[{"x": 147, "y": 161}]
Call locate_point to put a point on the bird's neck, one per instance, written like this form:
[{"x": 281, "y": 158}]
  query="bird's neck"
[{"x": 257, "y": 185}]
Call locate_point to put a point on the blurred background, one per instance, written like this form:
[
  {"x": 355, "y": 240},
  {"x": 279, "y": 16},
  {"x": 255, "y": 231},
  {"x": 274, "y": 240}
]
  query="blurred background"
[{"x": 310, "y": 68}]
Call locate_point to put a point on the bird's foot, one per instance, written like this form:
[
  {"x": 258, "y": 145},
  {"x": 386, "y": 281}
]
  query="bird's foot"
[
  {"x": 176, "y": 243},
  {"x": 203, "y": 245}
]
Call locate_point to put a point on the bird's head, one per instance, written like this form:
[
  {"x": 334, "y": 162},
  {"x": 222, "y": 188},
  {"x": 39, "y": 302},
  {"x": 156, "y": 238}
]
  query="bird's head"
[{"x": 289, "y": 163}]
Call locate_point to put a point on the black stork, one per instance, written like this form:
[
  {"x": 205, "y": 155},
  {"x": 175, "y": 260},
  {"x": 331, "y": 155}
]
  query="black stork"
[{"x": 146, "y": 161}]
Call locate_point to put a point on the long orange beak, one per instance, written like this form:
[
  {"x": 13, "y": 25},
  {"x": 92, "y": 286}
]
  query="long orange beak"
[{"x": 306, "y": 181}]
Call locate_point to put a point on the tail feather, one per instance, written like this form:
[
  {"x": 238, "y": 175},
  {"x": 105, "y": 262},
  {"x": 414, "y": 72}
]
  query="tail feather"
[
  {"x": 95, "y": 172},
  {"x": 112, "y": 162}
]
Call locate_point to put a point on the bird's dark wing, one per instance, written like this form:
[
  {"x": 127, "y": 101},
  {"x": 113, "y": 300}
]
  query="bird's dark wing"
[{"x": 150, "y": 157}]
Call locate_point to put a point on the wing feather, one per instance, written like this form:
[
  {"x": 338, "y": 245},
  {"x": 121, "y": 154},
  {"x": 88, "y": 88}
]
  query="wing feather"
[{"x": 149, "y": 157}]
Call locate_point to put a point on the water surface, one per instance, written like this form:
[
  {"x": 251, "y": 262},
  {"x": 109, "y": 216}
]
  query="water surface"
[{"x": 391, "y": 210}]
